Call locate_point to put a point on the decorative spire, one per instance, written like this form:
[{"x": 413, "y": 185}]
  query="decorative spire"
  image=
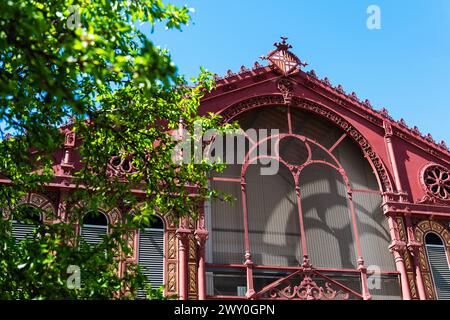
[
  {"x": 283, "y": 45},
  {"x": 282, "y": 59}
]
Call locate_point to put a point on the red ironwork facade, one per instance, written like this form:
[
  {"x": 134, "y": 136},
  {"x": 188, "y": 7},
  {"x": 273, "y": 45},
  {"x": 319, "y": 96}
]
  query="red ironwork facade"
[{"x": 355, "y": 197}]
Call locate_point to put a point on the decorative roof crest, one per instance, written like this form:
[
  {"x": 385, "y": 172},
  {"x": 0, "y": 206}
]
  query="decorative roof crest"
[
  {"x": 283, "y": 45},
  {"x": 282, "y": 59}
]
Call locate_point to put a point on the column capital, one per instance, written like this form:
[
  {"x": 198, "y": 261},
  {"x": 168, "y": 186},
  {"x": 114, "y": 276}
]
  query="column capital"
[
  {"x": 413, "y": 246},
  {"x": 183, "y": 233},
  {"x": 201, "y": 235},
  {"x": 388, "y": 132},
  {"x": 397, "y": 245}
]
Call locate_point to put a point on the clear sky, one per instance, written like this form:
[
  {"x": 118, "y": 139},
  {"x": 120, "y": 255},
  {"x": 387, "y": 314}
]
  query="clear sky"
[{"x": 404, "y": 66}]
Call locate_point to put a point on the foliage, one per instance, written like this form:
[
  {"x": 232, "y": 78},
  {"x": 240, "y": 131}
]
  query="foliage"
[{"x": 105, "y": 80}]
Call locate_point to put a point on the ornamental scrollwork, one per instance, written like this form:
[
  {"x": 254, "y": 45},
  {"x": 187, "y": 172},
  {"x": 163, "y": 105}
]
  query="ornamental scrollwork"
[
  {"x": 308, "y": 290},
  {"x": 286, "y": 87}
]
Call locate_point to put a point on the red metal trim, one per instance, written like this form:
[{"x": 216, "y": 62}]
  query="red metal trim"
[
  {"x": 225, "y": 297},
  {"x": 286, "y": 268},
  {"x": 338, "y": 284},
  {"x": 300, "y": 215},
  {"x": 225, "y": 266},
  {"x": 253, "y": 84},
  {"x": 289, "y": 119},
  {"x": 366, "y": 191},
  {"x": 247, "y": 255},
  {"x": 237, "y": 180},
  {"x": 355, "y": 227},
  {"x": 278, "y": 282},
  {"x": 337, "y": 143},
  {"x": 245, "y": 216}
]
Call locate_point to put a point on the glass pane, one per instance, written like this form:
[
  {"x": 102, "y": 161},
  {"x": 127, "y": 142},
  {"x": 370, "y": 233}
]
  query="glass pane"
[
  {"x": 385, "y": 287},
  {"x": 228, "y": 282}
]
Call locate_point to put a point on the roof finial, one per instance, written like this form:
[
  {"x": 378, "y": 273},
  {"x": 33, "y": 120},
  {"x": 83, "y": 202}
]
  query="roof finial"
[
  {"x": 283, "y": 45},
  {"x": 282, "y": 59}
]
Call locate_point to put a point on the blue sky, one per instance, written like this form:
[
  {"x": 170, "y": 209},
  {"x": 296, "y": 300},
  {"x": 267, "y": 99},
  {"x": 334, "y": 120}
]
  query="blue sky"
[{"x": 404, "y": 66}]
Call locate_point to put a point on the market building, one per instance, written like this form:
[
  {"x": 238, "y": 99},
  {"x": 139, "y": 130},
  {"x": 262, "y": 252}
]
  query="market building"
[{"x": 359, "y": 208}]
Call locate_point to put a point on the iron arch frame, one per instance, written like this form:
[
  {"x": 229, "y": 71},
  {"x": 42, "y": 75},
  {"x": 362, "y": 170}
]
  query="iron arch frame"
[{"x": 381, "y": 174}]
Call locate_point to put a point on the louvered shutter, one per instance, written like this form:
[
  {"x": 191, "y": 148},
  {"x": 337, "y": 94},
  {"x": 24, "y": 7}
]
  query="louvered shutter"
[
  {"x": 151, "y": 257},
  {"x": 93, "y": 234},
  {"x": 440, "y": 270},
  {"x": 22, "y": 230}
]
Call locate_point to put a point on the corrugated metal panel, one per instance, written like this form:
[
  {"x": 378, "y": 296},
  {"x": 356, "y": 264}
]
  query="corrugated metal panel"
[
  {"x": 151, "y": 257},
  {"x": 93, "y": 234},
  {"x": 273, "y": 117},
  {"x": 327, "y": 219},
  {"x": 373, "y": 231},
  {"x": 274, "y": 228},
  {"x": 440, "y": 270},
  {"x": 359, "y": 171},
  {"x": 227, "y": 226},
  {"x": 314, "y": 127},
  {"x": 20, "y": 231}
]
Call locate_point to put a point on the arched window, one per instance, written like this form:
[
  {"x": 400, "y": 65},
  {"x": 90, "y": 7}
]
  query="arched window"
[
  {"x": 24, "y": 223},
  {"x": 439, "y": 265},
  {"x": 151, "y": 253},
  {"x": 94, "y": 227},
  {"x": 323, "y": 203}
]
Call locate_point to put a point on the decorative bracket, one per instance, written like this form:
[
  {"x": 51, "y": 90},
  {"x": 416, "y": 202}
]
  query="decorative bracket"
[
  {"x": 286, "y": 87},
  {"x": 307, "y": 288}
]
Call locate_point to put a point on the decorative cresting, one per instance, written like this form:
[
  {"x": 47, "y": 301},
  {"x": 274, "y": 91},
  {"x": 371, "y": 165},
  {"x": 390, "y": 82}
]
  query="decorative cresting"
[
  {"x": 421, "y": 230},
  {"x": 273, "y": 100},
  {"x": 435, "y": 180},
  {"x": 307, "y": 288},
  {"x": 282, "y": 59},
  {"x": 37, "y": 201}
]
